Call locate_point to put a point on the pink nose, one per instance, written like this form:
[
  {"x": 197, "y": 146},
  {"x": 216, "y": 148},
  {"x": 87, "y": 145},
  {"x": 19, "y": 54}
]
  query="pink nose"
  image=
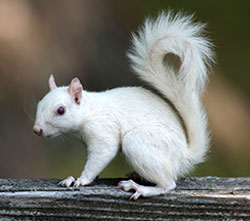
[{"x": 39, "y": 131}]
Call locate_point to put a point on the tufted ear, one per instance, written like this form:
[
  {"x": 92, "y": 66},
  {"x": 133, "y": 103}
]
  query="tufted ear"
[
  {"x": 75, "y": 90},
  {"x": 52, "y": 83}
]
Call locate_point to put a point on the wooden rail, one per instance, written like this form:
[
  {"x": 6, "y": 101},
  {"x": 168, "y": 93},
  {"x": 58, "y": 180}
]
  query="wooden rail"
[{"x": 208, "y": 198}]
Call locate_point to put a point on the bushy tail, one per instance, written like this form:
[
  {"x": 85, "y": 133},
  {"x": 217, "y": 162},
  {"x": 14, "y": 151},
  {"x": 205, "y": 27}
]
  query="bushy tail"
[{"x": 171, "y": 54}]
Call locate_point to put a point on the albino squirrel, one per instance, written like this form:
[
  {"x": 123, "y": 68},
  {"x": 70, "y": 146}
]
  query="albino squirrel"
[{"x": 162, "y": 132}]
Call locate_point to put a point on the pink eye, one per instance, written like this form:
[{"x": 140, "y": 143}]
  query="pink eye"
[{"x": 60, "y": 110}]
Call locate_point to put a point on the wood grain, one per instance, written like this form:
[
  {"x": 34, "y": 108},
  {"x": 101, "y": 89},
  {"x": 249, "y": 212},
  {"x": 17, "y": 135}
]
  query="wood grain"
[{"x": 207, "y": 198}]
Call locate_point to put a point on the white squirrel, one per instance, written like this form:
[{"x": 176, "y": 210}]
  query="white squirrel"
[{"x": 163, "y": 133}]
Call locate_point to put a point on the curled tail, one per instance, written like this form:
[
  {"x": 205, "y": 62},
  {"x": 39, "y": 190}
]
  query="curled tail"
[{"x": 171, "y": 54}]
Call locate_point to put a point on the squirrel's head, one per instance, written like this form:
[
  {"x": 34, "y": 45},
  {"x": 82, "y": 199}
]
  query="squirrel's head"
[{"x": 57, "y": 111}]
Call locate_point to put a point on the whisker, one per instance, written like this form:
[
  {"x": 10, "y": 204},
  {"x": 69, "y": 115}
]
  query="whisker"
[
  {"x": 28, "y": 114},
  {"x": 62, "y": 139},
  {"x": 34, "y": 101}
]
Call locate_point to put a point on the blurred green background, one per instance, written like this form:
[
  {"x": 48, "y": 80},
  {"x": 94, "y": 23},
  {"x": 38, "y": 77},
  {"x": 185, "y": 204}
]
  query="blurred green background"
[{"x": 89, "y": 39}]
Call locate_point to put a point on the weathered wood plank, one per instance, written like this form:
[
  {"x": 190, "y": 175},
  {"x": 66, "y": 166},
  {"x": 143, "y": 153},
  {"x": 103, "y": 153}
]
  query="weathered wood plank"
[{"x": 209, "y": 198}]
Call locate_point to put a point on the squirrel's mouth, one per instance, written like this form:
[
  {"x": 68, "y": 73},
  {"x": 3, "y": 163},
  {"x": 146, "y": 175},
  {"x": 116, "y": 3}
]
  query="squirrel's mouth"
[
  {"x": 46, "y": 130},
  {"x": 52, "y": 135}
]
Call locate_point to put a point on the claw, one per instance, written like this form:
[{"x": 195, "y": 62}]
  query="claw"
[
  {"x": 67, "y": 182},
  {"x": 130, "y": 185},
  {"x": 126, "y": 185},
  {"x": 81, "y": 182},
  {"x": 77, "y": 183},
  {"x": 136, "y": 195}
]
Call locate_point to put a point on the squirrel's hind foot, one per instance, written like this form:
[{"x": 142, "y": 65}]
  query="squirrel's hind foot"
[{"x": 145, "y": 191}]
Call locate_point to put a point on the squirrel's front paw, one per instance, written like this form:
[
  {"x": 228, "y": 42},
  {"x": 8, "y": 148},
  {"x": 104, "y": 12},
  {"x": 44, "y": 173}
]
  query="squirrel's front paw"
[
  {"x": 81, "y": 182},
  {"x": 67, "y": 182}
]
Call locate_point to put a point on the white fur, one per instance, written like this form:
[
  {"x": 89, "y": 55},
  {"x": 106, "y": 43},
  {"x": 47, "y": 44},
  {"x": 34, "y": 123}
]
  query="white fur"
[{"x": 143, "y": 124}]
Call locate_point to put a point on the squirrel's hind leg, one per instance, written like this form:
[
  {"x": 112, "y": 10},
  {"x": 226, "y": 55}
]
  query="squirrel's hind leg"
[
  {"x": 148, "y": 153},
  {"x": 145, "y": 191}
]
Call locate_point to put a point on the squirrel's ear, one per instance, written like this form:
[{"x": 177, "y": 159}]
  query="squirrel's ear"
[
  {"x": 75, "y": 90},
  {"x": 52, "y": 83}
]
